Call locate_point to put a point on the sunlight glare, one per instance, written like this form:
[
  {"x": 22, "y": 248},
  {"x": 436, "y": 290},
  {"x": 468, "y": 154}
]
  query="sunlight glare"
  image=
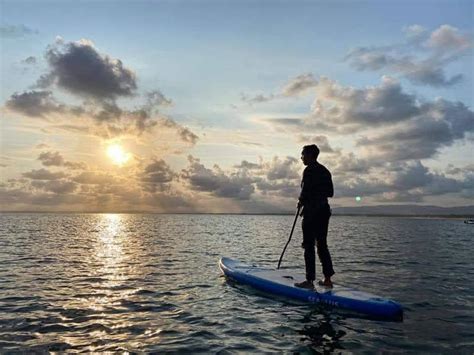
[{"x": 117, "y": 154}]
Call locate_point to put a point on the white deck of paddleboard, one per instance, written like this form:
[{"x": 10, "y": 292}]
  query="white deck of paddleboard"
[{"x": 289, "y": 277}]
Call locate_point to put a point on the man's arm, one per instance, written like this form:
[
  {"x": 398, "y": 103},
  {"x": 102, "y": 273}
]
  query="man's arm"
[
  {"x": 305, "y": 188},
  {"x": 330, "y": 186}
]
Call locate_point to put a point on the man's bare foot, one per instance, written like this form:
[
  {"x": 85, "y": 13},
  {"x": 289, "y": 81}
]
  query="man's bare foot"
[
  {"x": 325, "y": 283},
  {"x": 305, "y": 284}
]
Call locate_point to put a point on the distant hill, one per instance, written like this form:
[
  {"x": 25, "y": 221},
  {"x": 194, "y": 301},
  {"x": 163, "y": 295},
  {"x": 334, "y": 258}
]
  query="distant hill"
[{"x": 414, "y": 210}]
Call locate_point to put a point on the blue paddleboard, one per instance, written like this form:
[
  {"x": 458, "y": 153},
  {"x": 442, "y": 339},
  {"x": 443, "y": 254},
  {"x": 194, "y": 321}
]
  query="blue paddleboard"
[{"x": 281, "y": 282}]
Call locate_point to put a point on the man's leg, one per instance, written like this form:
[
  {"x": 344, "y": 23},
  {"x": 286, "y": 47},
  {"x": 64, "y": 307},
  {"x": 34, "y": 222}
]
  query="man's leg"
[
  {"x": 308, "y": 245},
  {"x": 321, "y": 240}
]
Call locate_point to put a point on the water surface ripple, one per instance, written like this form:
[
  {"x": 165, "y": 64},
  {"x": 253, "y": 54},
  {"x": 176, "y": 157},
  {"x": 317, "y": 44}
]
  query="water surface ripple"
[{"x": 138, "y": 282}]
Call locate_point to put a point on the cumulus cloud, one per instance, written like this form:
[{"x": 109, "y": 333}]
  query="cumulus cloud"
[
  {"x": 444, "y": 45},
  {"x": 368, "y": 107},
  {"x": 287, "y": 168},
  {"x": 215, "y": 181},
  {"x": 16, "y": 31},
  {"x": 438, "y": 125},
  {"x": 402, "y": 182},
  {"x": 34, "y": 103},
  {"x": 156, "y": 175},
  {"x": 80, "y": 69},
  {"x": 448, "y": 38}
]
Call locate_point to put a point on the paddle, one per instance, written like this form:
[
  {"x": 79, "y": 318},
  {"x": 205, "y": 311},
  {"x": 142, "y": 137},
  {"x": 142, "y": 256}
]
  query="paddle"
[{"x": 291, "y": 234}]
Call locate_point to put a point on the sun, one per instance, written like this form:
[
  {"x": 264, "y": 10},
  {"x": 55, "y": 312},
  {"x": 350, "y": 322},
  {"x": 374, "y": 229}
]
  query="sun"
[{"x": 117, "y": 154}]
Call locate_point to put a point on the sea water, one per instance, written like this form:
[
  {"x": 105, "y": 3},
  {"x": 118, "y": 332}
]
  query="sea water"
[{"x": 151, "y": 283}]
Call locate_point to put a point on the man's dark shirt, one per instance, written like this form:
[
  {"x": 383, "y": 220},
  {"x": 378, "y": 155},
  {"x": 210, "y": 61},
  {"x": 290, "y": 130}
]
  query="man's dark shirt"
[{"x": 316, "y": 186}]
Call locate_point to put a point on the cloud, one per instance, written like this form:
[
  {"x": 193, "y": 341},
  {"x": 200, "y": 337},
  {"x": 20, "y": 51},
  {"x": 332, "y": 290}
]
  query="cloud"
[
  {"x": 287, "y": 168},
  {"x": 43, "y": 174},
  {"x": 94, "y": 178},
  {"x": 256, "y": 99},
  {"x": 34, "y": 103},
  {"x": 447, "y": 38},
  {"x": 247, "y": 165},
  {"x": 361, "y": 108},
  {"x": 444, "y": 45},
  {"x": 29, "y": 60},
  {"x": 321, "y": 141},
  {"x": 292, "y": 88},
  {"x": 156, "y": 176},
  {"x": 55, "y": 186},
  {"x": 79, "y": 68},
  {"x": 299, "y": 84},
  {"x": 16, "y": 31},
  {"x": 215, "y": 181},
  {"x": 415, "y": 33},
  {"x": 56, "y": 159},
  {"x": 156, "y": 98},
  {"x": 438, "y": 125},
  {"x": 185, "y": 134}
]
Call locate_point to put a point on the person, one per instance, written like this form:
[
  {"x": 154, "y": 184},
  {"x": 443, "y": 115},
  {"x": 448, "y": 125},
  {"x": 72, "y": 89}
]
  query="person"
[{"x": 316, "y": 187}]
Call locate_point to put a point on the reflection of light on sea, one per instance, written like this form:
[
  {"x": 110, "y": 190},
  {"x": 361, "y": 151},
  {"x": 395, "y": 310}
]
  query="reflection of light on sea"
[{"x": 111, "y": 260}]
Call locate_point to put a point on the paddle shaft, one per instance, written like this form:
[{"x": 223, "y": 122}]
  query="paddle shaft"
[{"x": 291, "y": 234}]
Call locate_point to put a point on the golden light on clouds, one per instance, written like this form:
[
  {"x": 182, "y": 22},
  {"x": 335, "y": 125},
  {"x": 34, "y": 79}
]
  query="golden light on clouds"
[{"x": 117, "y": 154}]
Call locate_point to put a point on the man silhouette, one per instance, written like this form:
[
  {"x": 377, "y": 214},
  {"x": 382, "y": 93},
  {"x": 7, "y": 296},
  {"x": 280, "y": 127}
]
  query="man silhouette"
[{"x": 316, "y": 187}]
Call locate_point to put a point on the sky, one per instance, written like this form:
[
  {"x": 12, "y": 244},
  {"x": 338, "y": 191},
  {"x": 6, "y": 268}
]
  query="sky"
[{"x": 204, "y": 106}]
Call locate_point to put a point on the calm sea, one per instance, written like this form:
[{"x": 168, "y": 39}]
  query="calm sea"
[{"x": 144, "y": 282}]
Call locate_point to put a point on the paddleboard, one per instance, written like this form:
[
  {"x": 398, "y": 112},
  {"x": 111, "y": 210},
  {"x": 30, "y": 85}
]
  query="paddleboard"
[{"x": 281, "y": 283}]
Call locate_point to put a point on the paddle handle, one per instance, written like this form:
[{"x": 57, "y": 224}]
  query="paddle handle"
[{"x": 291, "y": 234}]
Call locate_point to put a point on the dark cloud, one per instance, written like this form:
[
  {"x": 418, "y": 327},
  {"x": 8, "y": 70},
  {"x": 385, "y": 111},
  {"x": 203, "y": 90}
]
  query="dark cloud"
[
  {"x": 379, "y": 105},
  {"x": 288, "y": 189},
  {"x": 51, "y": 159},
  {"x": 34, "y": 103},
  {"x": 288, "y": 168},
  {"x": 156, "y": 175},
  {"x": 80, "y": 69},
  {"x": 350, "y": 164},
  {"x": 16, "y": 31},
  {"x": 217, "y": 182},
  {"x": 440, "y": 124},
  {"x": 402, "y": 182},
  {"x": 43, "y": 174},
  {"x": 56, "y": 159}
]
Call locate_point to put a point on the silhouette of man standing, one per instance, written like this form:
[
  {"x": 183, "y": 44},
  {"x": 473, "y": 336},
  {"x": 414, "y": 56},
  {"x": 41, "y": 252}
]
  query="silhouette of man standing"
[{"x": 316, "y": 187}]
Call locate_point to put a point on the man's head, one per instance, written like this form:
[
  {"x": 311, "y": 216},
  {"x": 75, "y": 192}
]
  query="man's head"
[{"x": 309, "y": 154}]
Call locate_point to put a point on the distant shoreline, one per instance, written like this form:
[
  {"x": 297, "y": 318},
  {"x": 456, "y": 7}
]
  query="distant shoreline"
[{"x": 447, "y": 216}]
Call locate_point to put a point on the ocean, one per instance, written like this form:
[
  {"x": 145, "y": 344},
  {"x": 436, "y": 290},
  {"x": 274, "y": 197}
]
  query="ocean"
[{"x": 151, "y": 283}]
